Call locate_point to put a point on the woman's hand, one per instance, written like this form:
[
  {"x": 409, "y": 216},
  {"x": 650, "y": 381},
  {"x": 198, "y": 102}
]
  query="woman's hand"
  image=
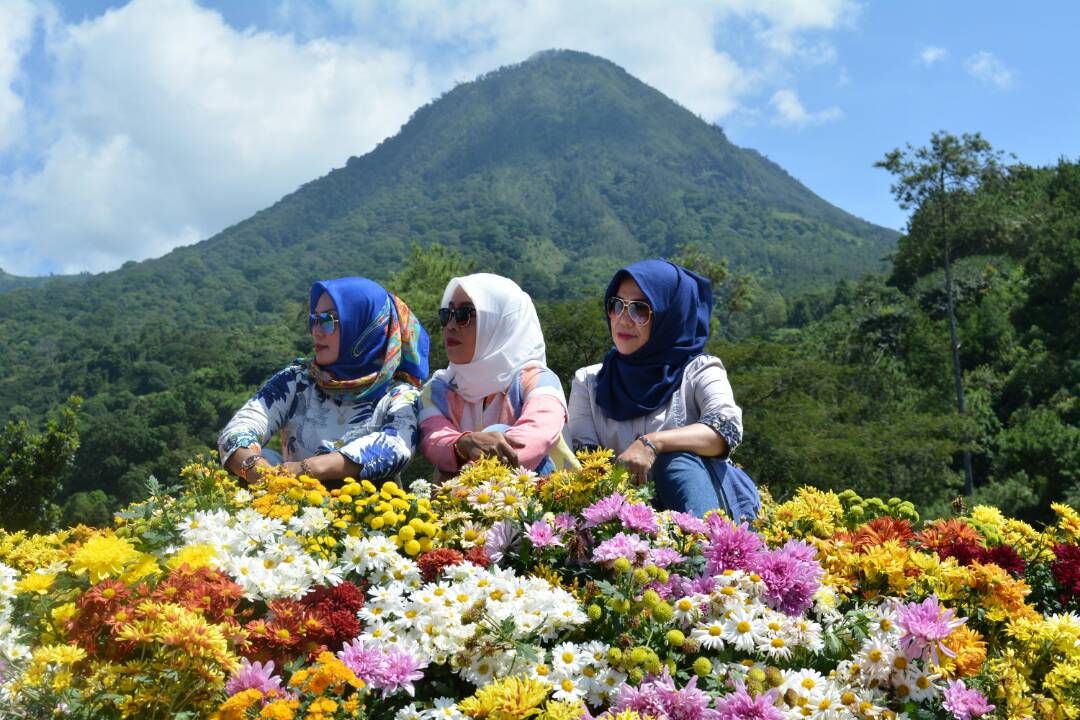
[
  {"x": 474, "y": 444},
  {"x": 638, "y": 459}
]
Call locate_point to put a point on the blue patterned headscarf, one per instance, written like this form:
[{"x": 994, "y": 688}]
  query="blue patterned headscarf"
[
  {"x": 629, "y": 386},
  {"x": 380, "y": 339}
]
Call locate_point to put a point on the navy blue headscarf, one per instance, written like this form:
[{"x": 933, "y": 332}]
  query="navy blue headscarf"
[
  {"x": 380, "y": 339},
  {"x": 629, "y": 386}
]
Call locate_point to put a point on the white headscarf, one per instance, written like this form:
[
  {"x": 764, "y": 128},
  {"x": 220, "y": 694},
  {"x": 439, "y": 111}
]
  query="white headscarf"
[{"x": 508, "y": 336}]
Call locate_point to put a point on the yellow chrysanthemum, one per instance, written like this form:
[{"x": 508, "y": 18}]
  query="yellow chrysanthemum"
[
  {"x": 969, "y": 648},
  {"x": 195, "y": 556},
  {"x": 28, "y": 553},
  {"x": 1068, "y": 522},
  {"x": 236, "y": 707},
  {"x": 512, "y": 698},
  {"x": 555, "y": 710},
  {"x": 36, "y": 583},
  {"x": 279, "y": 710},
  {"x": 103, "y": 556}
]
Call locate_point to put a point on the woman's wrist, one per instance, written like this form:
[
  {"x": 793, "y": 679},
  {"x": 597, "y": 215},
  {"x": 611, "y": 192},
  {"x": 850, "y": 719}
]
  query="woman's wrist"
[
  {"x": 649, "y": 443},
  {"x": 460, "y": 454}
]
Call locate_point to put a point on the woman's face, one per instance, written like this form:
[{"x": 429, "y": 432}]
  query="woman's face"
[
  {"x": 327, "y": 345},
  {"x": 460, "y": 341},
  {"x": 627, "y": 335}
]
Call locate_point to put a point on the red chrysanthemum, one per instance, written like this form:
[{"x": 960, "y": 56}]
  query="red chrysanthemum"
[
  {"x": 102, "y": 609},
  {"x": 1006, "y": 558},
  {"x": 477, "y": 555},
  {"x": 432, "y": 562},
  {"x": 204, "y": 589},
  {"x": 964, "y": 552},
  {"x": 945, "y": 532},
  {"x": 1066, "y": 570},
  {"x": 336, "y": 610}
]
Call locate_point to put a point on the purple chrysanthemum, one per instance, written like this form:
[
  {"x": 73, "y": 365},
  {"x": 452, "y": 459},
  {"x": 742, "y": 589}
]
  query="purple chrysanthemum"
[
  {"x": 500, "y": 538},
  {"x": 639, "y": 517},
  {"x": 622, "y": 545},
  {"x": 688, "y": 522},
  {"x": 565, "y": 522},
  {"x": 540, "y": 534},
  {"x": 253, "y": 676},
  {"x": 730, "y": 546},
  {"x": 658, "y": 697},
  {"x": 965, "y": 703},
  {"x": 664, "y": 557},
  {"x": 603, "y": 510},
  {"x": 791, "y": 574},
  {"x": 388, "y": 671},
  {"x": 741, "y": 705},
  {"x": 925, "y": 626},
  {"x": 701, "y": 585}
]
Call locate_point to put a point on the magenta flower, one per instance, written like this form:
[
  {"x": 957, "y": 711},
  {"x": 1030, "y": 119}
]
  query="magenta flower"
[
  {"x": 730, "y": 547},
  {"x": 622, "y": 545},
  {"x": 603, "y": 510},
  {"x": 388, "y": 671},
  {"x": 253, "y": 676},
  {"x": 965, "y": 703},
  {"x": 658, "y": 697},
  {"x": 791, "y": 575},
  {"x": 540, "y": 534},
  {"x": 740, "y": 705},
  {"x": 499, "y": 539},
  {"x": 640, "y": 518},
  {"x": 565, "y": 522},
  {"x": 664, "y": 557},
  {"x": 925, "y": 626},
  {"x": 688, "y": 522}
]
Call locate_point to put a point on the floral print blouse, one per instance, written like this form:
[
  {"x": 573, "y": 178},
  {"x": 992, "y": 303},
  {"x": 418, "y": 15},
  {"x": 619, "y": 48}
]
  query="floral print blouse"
[{"x": 378, "y": 435}]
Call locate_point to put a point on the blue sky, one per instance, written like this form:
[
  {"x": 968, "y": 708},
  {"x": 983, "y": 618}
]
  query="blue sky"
[{"x": 129, "y": 128}]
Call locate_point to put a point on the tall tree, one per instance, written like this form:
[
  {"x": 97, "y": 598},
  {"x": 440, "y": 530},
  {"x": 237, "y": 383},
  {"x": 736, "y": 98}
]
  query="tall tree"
[
  {"x": 938, "y": 182},
  {"x": 732, "y": 292}
]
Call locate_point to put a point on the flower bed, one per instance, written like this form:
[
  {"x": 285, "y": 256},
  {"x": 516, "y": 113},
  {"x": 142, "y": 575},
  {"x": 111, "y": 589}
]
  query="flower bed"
[{"x": 503, "y": 595}]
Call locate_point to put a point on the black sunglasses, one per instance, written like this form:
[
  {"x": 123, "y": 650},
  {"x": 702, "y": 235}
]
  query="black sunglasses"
[
  {"x": 462, "y": 315},
  {"x": 325, "y": 321},
  {"x": 640, "y": 312}
]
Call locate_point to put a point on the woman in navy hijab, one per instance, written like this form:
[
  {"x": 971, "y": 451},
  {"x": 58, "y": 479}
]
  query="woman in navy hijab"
[
  {"x": 350, "y": 410},
  {"x": 658, "y": 400}
]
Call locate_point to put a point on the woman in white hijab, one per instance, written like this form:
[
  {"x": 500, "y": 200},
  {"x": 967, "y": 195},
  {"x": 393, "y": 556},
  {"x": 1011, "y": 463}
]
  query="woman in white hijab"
[{"x": 497, "y": 397}]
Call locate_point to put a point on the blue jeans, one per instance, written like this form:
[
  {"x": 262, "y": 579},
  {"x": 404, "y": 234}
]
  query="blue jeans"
[
  {"x": 686, "y": 482},
  {"x": 546, "y": 464},
  {"x": 272, "y": 456}
]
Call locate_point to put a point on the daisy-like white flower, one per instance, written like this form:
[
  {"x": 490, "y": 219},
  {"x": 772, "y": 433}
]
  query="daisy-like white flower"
[
  {"x": 688, "y": 609},
  {"x": 568, "y": 659},
  {"x": 443, "y": 708},
  {"x": 744, "y": 629},
  {"x": 919, "y": 682},
  {"x": 875, "y": 658},
  {"x": 420, "y": 488},
  {"x": 409, "y": 712},
  {"x": 310, "y": 520},
  {"x": 709, "y": 634}
]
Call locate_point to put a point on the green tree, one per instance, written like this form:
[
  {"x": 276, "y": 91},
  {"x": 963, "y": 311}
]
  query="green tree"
[
  {"x": 939, "y": 183},
  {"x": 31, "y": 464}
]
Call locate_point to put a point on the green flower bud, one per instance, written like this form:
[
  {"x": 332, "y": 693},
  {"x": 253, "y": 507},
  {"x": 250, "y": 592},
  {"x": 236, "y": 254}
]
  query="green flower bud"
[
  {"x": 595, "y": 612},
  {"x": 702, "y": 667},
  {"x": 621, "y": 565},
  {"x": 675, "y": 638}
]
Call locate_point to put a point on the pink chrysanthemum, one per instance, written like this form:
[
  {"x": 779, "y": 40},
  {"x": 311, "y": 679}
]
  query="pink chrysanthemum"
[
  {"x": 565, "y": 522},
  {"x": 603, "y": 510},
  {"x": 925, "y": 626},
  {"x": 658, "y": 697},
  {"x": 253, "y": 676},
  {"x": 791, "y": 574},
  {"x": 540, "y": 534},
  {"x": 641, "y": 518},
  {"x": 730, "y": 546},
  {"x": 664, "y": 557},
  {"x": 965, "y": 703},
  {"x": 689, "y": 523},
  {"x": 388, "y": 671},
  {"x": 622, "y": 545},
  {"x": 740, "y": 705}
]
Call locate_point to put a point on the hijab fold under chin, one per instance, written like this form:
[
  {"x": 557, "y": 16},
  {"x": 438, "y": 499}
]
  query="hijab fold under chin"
[{"x": 629, "y": 386}]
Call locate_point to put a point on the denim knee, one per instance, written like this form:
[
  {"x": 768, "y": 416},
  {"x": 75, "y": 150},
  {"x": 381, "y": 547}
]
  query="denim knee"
[{"x": 683, "y": 483}]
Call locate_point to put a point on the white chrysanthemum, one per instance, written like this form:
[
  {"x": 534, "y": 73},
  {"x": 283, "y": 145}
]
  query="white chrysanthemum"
[
  {"x": 310, "y": 521},
  {"x": 913, "y": 684},
  {"x": 409, "y": 712},
  {"x": 688, "y": 609},
  {"x": 569, "y": 688},
  {"x": 605, "y": 686},
  {"x": 809, "y": 690},
  {"x": 8, "y": 579},
  {"x": 709, "y": 634},
  {"x": 568, "y": 658},
  {"x": 744, "y": 629},
  {"x": 444, "y": 708},
  {"x": 807, "y": 634},
  {"x": 421, "y": 488}
]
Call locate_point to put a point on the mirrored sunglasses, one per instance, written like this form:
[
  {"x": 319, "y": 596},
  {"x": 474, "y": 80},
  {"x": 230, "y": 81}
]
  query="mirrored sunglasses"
[
  {"x": 640, "y": 312},
  {"x": 325, "y": 321}
]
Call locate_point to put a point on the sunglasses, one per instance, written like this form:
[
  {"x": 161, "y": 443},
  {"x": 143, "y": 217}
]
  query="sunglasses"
[
  {"x": 639, "y": 311},
  {"x": 325, "y": 321},
  {"x": 461, "y": 315}
]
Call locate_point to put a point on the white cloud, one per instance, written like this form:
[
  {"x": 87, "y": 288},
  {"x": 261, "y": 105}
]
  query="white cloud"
[
  {"x": 790, "y": 111},
  {"x": 164, "y": 124},
  {"x": 986, "y": 67},
  {"x": 931, "y": 55},
  {"x": 16, "y": 29}
]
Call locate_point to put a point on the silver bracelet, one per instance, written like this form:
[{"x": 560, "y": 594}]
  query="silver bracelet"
[{"x": 649, "y": 444}]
